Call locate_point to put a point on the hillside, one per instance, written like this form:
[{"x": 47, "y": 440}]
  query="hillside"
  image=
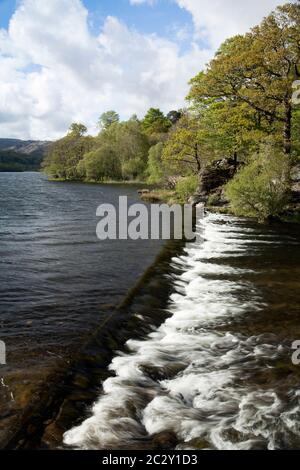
[{"x": 21, "y": 155}]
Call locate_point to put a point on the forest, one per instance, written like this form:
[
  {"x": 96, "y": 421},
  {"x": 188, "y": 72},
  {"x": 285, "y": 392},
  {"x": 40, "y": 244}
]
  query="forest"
[
  {"x": 11, "y": 161},
  {"x": 244, "y": 108}
]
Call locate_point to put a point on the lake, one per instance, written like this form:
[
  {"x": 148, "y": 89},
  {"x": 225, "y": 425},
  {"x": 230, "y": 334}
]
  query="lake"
[{"x": 57, "y": 280}]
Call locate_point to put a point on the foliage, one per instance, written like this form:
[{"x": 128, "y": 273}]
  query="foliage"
[
  {"x": 107, "y": 119},
  {"x": 64, "y": 155},
  {"x": 187, "y": 187},
  {"x": 132, "y": 147},
  {"x": 258, "y": 70},
  {"x": 120, "y": 151},
  {"x": 155, "y": 124},
  {"x": 182, "y": 151},
  {"x": 77, "y": 130},
  {"x": 15, "y": 162},
  {"x": 101, "y": 164},
  {"x": 261, "y": 189},
  {"x": 155, "y": 167},
  {"x": 174, "y": 116}
]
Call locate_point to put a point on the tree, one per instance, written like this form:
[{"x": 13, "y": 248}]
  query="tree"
[
  {"x": 258, "y": 69},
  {"x": 230, "y": 129},
  {"x": 132, "y": 146},
  {"x": 107, "y": 119},
  {"x": 155, "y": 169},
  {"x": 101, "y": 164},
  {"x": 155, "y": 124},
  {"x": 77, "y": 130},
  {"x": 182, "y": 151},
  {"x": 174, "y": 116},
  {"x": 128, "y": 142},
  {"x": 65, "y": 154}
]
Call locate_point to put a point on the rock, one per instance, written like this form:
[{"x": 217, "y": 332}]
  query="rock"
[
  {"x": 216, "y": 175},
  {"x": 217, "y": 198},
  {"x": 295, "y": 184},
  {"x": 171, "y": 181},
  {"x": 143, "y": 191},
  {"x": 162, "y": 373},
  {"x": 197, "y": 199},
  {"x": 212, "y": 180},
  {"x": 295, "y": 174},
  {"x": 195, "y": 444}
]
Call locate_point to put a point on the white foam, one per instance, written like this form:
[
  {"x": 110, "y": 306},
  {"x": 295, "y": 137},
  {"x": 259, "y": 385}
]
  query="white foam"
[{"x": 205, "y": 398}]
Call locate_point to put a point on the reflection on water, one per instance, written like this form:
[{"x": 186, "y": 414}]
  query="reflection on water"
[{"x": 217, "y": 374}]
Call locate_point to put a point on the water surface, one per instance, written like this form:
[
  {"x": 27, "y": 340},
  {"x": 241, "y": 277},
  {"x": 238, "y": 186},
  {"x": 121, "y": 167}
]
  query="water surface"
[{"x": 57, "y": 280}]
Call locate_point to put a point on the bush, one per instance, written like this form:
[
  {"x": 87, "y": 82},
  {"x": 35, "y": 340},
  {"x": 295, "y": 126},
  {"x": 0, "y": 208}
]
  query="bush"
[
  {"x": 213, "y": 199},
  {"x": 187, "y": 187},
  {"x": 261, "y": 189}
]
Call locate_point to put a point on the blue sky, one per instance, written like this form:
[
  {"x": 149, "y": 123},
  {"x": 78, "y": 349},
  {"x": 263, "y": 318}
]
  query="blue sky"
[
  {"x": 7, "y": 8},
  {"x": 145, "y": 18},
  {"x": 163, "y": 18},
  {"x": 71, "y": 60}
]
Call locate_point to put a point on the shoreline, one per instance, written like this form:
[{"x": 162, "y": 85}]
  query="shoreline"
[{"x": 158, "y": 194}]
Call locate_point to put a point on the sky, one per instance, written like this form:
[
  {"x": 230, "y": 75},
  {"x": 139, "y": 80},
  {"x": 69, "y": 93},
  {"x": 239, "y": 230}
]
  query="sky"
[{"x": 70, "y": 60}]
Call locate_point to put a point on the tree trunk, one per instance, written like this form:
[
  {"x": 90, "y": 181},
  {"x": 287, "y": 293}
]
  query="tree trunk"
[
  {"x": 235, "y": 160},
  {"x": 197, "y": 158},
  {"x": 287, "y": 132}
]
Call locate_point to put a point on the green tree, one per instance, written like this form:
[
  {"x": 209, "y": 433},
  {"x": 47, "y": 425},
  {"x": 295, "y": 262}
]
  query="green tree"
[
  {"x": 174, "y": 116},
  {"x": 107, "y": 119},
  {"x": 182, "y": 151},
  {"x": 77, "y": 129},
  {"x": 230, "y": 129},
  {"x": 64, "y": 155},
  {"x": 156, "y": 171},
  {"x": 128, "y": 144},
  {"x": 155, "y": 124},
  {"x": 101, "y": 164},
  {"x": 258, "y": 69}
]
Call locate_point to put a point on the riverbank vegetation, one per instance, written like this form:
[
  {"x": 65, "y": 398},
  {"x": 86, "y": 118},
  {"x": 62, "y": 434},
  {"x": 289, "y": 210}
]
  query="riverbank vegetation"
[{"x": 240, "y": 131}]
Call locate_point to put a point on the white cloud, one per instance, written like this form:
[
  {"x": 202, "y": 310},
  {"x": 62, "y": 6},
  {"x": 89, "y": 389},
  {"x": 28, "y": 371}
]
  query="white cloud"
[
  {"x": 54, "y": 71},
  {"x": 216, "y": 20},
  {"x": 80, "y": 75}
]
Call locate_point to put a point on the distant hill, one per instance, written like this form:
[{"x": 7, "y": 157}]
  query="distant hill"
[{"x": 22, "y": 155}]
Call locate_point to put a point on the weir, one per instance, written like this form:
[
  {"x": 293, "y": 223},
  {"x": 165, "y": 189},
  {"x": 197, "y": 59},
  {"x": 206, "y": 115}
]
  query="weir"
[
  {"x": 209, "y": 376},
  {"x": 63, "y": 400}
]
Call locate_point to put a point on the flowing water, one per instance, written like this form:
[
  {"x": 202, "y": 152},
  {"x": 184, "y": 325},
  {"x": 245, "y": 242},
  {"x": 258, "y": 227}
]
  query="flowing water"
[{"x": 218, "y": 372}]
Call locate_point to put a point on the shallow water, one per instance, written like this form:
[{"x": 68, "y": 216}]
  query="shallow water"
[{"x": 217, "y": 374}]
